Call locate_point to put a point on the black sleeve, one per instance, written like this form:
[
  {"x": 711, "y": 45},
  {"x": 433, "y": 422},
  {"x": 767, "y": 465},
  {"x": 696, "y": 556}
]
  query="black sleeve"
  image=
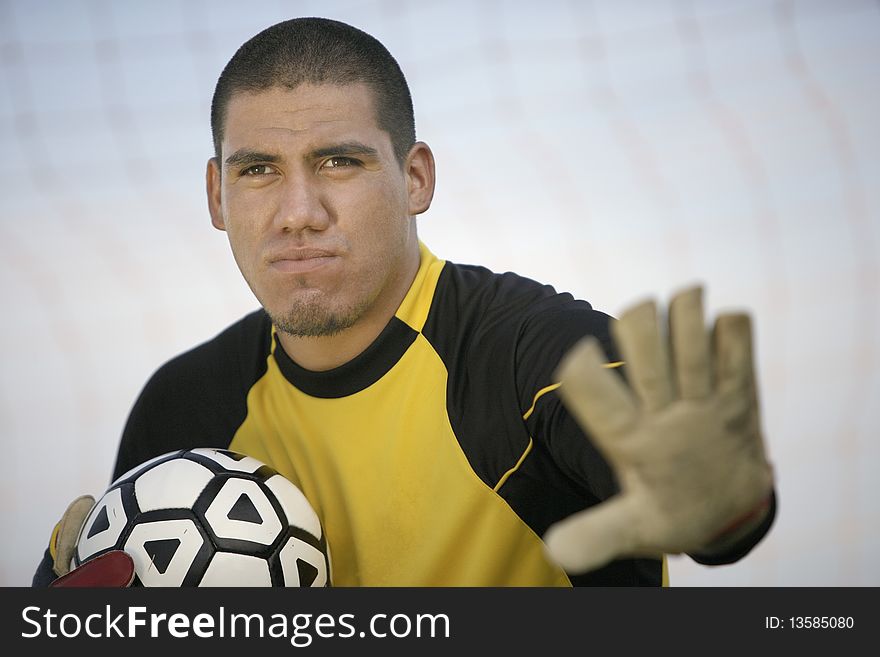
[
  {"x": 582, "y": 476},
  {"x": 44, "y": 575},
  {"x": 559, "y": 323},
  {"x": 198, "y": 399}
]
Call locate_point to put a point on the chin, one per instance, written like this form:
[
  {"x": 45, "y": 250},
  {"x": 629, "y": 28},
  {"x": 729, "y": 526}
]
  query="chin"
[{"x": 313, "y": 320}]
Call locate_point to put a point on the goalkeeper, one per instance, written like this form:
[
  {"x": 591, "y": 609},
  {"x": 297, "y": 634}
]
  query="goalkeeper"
[{"x": 451, "y": 426}]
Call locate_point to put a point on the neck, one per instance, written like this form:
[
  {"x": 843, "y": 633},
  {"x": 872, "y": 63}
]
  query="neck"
[{"x": 320, "y": 354}]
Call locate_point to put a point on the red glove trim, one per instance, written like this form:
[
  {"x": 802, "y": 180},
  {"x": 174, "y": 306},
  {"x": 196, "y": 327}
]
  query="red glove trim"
[{"x": 115, "y": 569}]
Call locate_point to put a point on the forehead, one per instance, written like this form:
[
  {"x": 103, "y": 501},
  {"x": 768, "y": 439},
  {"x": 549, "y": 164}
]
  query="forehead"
[{"x": 306, "y": 112}]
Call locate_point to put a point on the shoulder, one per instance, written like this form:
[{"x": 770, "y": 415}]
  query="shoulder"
[
  {"x": 515, "y": 312},
  {"x": 231, "y": 352},
  {"x": 506, "y": 332},
  {"x": 485, "y": 290},
  {"x": 198, "y": 398}
]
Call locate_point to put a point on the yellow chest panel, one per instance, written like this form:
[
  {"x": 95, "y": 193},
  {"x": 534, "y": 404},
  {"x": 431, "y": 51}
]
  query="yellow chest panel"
[{"x": 399, "y": 502}]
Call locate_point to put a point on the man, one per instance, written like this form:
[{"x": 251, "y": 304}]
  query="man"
[{"x": 436, "y": 415}]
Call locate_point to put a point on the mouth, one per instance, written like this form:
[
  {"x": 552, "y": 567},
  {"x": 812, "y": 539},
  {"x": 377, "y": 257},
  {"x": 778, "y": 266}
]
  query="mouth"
[{"x": 301, "y": 261}]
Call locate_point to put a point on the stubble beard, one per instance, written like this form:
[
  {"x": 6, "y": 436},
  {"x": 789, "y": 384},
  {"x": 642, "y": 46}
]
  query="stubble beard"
[{"x": 313, "y": 319}]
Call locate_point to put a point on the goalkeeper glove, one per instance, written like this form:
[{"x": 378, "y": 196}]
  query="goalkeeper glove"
[
  {"x": 112, "y": 569},
  {"x": 683, "y": 437}
]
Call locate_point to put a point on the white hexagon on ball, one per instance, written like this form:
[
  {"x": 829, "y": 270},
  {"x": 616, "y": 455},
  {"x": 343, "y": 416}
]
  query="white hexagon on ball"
[
  {"x": 237, "y": 491},
  {"x": 144, "y": 466},
  {"x": 175, "y": 484},
  {"x": 229, "y": 569},
  {"x": 297, "y": 508},
  {"x": 298, "y": 550},
  {"x": 179, "y": 542},
  {"x": 247, "y": 464},
  {"x": 103, "y": 526}
]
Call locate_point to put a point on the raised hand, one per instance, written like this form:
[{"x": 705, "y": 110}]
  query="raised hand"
[{"x": 682, "y": 435}]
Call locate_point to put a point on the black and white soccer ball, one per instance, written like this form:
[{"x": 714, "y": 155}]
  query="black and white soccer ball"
[{"x": 208, "y": 517}]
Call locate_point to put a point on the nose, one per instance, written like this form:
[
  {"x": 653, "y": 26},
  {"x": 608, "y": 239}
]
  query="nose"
[{"x": 302, "y": 207}]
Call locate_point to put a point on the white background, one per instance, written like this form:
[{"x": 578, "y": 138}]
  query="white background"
[{"x": 614, "y": 149}]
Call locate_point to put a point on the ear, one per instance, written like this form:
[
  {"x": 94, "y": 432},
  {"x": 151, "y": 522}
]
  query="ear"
[
  {"x": 419, "y": 172},
  {"x": 212, "y": 184}
]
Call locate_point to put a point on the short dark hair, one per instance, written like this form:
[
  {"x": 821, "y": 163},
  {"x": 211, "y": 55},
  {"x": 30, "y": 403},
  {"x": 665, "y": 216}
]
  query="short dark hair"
[{"x": 318, "y": 51}]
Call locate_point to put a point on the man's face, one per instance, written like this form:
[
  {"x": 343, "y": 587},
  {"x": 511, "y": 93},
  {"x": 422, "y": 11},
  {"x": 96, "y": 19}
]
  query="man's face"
[{"x": 318, "y": 211}]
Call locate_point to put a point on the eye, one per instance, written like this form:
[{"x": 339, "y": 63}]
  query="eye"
[
  {"x": 339, "y": 162},
  {"x": 258, "y": 170}
]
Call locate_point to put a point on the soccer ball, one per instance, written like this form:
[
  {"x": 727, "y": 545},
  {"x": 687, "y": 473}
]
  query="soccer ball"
[{"x": 208, "y": 517}]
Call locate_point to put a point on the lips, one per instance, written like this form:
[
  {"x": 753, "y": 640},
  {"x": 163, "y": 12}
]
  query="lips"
[{"x": 301, "y": 260}]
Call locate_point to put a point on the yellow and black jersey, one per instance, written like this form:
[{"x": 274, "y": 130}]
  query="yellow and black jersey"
[{"x": 437, "y": 457}]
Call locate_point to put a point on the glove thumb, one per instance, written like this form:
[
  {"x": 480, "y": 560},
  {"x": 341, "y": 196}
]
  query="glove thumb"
[
  {"x": 63, "y": 543},
  {"x": 589, "y": 539}
]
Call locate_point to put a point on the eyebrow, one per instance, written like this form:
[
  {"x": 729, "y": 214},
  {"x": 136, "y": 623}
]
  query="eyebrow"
[
  {"x": 344, "y": 149},
  {"x": 245, "y": 156}
]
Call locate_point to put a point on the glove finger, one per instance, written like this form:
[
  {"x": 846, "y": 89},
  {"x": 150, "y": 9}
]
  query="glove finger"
[
  {"x": 67, "y": 532},
  {"x": 735, "y": 377},
  {"x": 596, "y": 397},
  {"x": 690, "y": 345},
  {"x": 590, "y": 539},
  {"x": 645, "y": 353},
  {"x": 736, "y": 383},
  {"x": 112, "y": 569}
]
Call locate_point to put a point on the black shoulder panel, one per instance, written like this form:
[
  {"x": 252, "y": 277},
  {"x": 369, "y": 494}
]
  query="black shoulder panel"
[
  {"x": 501, "y": 337},
  {"x": 197, "y": 399},
  {"x": 473, "y": 324}
]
